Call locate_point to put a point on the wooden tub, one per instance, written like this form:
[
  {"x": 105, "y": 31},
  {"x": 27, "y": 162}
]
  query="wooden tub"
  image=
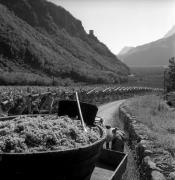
[{"x": 71, "y": 164}]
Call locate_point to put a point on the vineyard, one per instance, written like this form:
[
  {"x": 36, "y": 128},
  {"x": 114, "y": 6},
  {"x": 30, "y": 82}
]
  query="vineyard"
[{"x": 44, "y": 100}]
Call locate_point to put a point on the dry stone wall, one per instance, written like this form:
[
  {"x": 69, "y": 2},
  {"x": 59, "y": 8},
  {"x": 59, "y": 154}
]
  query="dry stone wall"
[{"x": 154, "y": 162}]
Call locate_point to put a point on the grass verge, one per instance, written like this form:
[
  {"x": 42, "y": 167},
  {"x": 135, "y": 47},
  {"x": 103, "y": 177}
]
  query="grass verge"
[{"x": 152, "y": 111}]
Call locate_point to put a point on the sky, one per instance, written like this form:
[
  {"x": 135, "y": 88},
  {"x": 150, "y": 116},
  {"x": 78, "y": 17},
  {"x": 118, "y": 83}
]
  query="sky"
[{"x": 120, "y": 23}]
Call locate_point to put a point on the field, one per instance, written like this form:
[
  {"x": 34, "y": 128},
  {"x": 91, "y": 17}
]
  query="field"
[
  {"x": 147, "y": 76},
  {"x": 33, "y": 100}
]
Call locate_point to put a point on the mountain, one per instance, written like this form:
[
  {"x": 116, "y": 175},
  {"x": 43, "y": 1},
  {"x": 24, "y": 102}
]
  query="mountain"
[
  {"x": 39, "y": 39},
  {"x": 170, "y": 32},
  {"x": 124, "y": 50},
  {"x": 156, "y": 53}
]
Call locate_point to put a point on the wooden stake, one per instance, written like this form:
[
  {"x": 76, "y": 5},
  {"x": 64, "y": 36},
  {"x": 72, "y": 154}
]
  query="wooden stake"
[{"x": 81, "y": 116}]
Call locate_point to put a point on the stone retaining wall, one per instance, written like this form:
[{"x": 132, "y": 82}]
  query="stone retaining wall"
[{"x": 153, "y": 163}]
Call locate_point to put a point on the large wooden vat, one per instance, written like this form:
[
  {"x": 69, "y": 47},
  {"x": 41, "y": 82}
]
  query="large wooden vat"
[{"x": 72, "y": 164}]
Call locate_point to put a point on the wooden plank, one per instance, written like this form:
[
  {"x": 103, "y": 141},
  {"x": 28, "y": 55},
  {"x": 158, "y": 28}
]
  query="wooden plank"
[
  {"x": 111, "y": 157},
  {"x": 117, "y": 175},
  {"x": 102, "y": 172},
  {"x": 111, "y": 166}
]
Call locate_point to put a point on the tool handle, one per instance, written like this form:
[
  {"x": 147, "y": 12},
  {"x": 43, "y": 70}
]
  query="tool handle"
[{"x": 80, "y": 112}]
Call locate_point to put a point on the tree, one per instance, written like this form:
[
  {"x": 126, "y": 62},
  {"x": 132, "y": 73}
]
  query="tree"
[{"x": 171, "y": 75}]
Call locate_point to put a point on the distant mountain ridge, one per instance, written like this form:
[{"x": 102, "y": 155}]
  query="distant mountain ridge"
[
  {"x": 155, "y": 53},
  {"x": 125, "y": 50},
  {"x": 38, "y": 37},
  {"x": 170, "y": 32}
]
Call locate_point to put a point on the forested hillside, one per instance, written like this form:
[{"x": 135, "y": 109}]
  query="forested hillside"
[{"x": 39, "y": 40}]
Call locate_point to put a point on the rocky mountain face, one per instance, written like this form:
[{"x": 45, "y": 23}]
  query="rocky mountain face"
[
  {"x": 156, "y": 53},
  {"x": 40, "y": 38}
]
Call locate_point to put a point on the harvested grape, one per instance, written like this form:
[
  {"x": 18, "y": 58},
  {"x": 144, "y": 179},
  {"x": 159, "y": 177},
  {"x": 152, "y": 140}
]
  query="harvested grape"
[{"x": 44, "y": 133}]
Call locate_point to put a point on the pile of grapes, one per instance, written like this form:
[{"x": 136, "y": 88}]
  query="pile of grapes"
[{"x": 44, "y": 133}]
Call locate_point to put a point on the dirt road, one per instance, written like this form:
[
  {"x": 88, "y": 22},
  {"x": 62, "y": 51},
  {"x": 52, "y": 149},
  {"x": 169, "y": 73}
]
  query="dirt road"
[{"x": 109, "y": 112}]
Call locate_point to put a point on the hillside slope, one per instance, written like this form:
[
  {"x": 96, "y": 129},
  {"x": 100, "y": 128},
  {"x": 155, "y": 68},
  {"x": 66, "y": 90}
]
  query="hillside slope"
[
  {"x": 124, "y": 50},
  {"x": 170, "y": 32},
  {"x": 41, "y": 38},
  {"x": 156, "y": 53}
]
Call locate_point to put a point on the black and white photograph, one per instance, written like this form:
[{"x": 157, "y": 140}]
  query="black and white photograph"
[{"x": 87, "y": 89}]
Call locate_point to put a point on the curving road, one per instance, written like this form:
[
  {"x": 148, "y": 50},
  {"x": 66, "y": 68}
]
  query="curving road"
[{"x": 109, "y": 112}]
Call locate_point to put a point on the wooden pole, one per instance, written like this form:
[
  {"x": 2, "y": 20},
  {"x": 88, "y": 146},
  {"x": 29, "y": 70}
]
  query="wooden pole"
[{"x": 80, "y": 112}]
